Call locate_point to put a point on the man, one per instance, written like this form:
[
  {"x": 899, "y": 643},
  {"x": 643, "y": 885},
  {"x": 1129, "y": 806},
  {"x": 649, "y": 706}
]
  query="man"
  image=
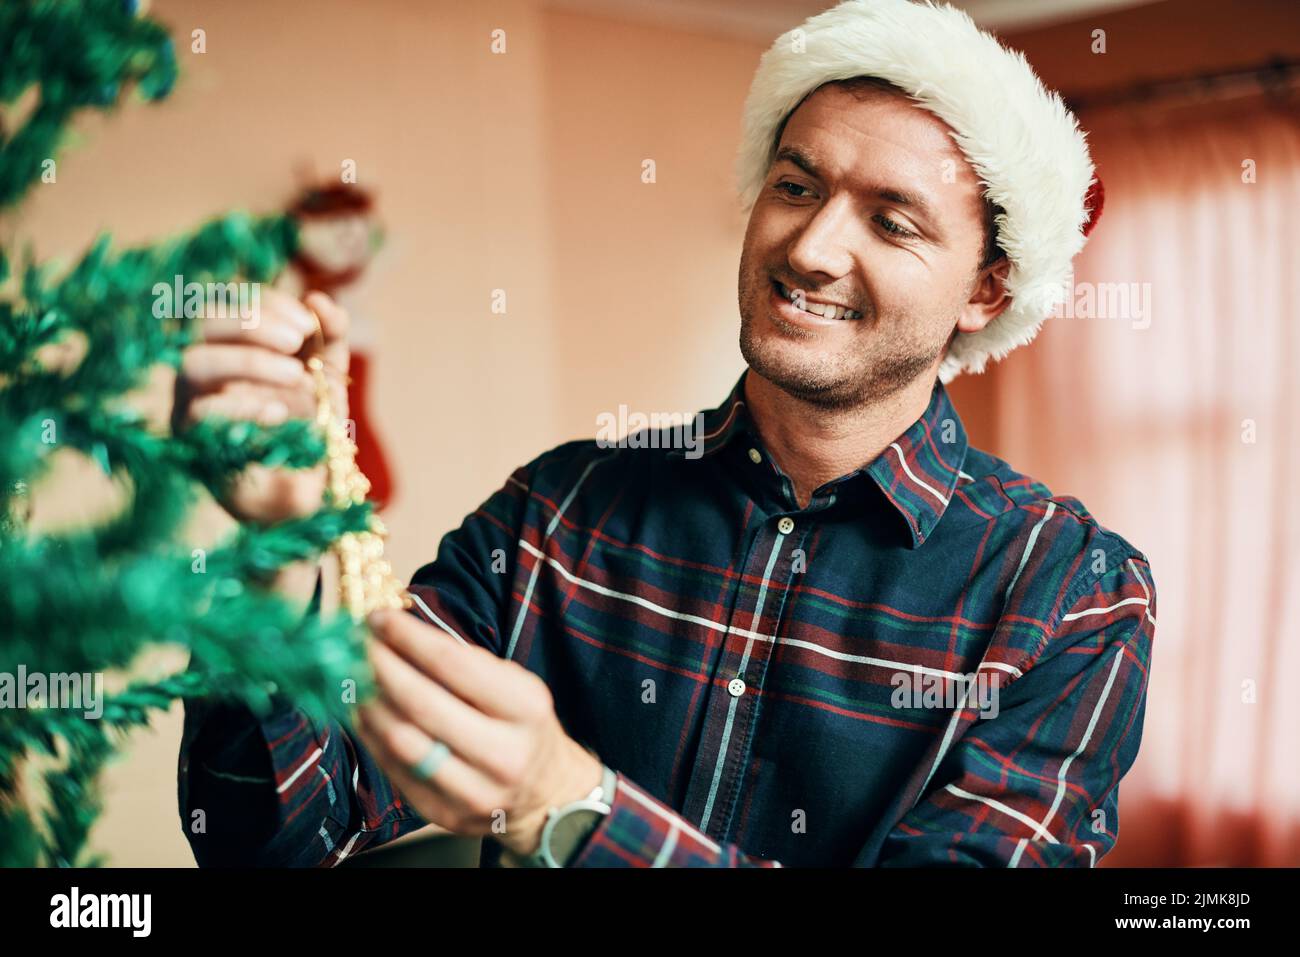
[{"x": 839, "y": 635}]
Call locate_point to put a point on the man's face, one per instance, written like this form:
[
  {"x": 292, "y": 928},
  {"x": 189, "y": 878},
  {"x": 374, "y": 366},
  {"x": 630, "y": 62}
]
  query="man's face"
[{"x": 834, "y": 224}]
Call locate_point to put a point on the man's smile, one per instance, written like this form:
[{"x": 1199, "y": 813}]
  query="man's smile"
[{"x": 812, "y": 312}]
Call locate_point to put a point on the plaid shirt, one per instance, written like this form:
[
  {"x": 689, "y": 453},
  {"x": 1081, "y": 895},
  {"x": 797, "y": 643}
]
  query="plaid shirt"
[{"x": 937, "y": 662}]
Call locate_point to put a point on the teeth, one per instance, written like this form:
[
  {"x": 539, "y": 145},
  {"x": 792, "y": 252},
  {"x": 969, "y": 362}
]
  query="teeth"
[{"x": 825, "y": 310}]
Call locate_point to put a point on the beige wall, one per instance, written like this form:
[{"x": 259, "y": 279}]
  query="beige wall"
[
  {"x": 520, "y": 172},
  {"x": 645, "y": 273}
]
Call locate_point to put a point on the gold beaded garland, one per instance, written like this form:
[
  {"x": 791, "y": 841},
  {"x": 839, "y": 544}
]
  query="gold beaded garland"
[{"x": 366, "y": 579}]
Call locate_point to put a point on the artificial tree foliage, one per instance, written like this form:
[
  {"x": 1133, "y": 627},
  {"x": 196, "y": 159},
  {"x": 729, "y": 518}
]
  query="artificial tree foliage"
[{"x": 94, "y": 599}]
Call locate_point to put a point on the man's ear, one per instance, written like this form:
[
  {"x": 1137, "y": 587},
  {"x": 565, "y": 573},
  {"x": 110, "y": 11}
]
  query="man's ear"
[{"x": 988, "y": 297}]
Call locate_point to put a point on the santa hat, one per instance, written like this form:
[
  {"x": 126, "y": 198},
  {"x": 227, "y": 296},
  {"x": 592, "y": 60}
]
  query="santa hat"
[{"x": 1019, "y": 138}]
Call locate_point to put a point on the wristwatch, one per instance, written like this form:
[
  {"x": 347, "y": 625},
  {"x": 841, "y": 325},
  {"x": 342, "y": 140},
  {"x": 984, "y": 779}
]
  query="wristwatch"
[{"x": 568, "y": 827}]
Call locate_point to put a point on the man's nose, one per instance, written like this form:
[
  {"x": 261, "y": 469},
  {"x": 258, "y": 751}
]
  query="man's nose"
[{"x": 823, "y": 246}]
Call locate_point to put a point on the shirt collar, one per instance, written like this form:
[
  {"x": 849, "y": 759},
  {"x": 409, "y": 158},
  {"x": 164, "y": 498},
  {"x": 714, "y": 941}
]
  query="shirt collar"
[
  {"x": 724, "y": 421},
  {"x": 918, "y": 472}
]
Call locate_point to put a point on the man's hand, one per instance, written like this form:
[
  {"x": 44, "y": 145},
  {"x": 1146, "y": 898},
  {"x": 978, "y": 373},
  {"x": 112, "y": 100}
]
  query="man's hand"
[
  {"x": 258, "y": 374},
  {"x": 510, "y": 760}
]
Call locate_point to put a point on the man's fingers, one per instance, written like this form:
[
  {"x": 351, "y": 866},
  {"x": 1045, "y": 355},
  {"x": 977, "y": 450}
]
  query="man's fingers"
[
  {"x": 283, "y": 337},
  {"x": 268, "y": 405},
  {"x": 499, "y": 688},
  {"x": 279, "y": 322},
  {"x": 480, "y": 740},
  {"x": 433, "y": 806},
  {"x": 206, "y": 366},
  {"x": 399, "y": 747},
  {"x": 279, "y": 305},
  {"x": 333, "y": 317}
]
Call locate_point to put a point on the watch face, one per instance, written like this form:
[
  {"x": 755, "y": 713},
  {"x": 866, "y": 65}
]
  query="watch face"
[{"x": 568, "y": 833}]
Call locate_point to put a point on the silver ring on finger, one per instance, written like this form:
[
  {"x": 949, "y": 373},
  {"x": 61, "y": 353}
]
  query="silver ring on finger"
[{"x": 428, "y": 766}]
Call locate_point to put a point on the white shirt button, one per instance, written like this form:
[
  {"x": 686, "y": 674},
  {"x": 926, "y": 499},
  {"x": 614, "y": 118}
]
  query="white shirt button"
[
  {"x": 785, "y": 526},
  {"x": 755, "y": 456},
  {"x": 736, "y": 686}
]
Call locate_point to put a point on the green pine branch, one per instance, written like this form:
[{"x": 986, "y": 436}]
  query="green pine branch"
[
  {"x": 80, "y": 55},
  {"x": 74, "y": 344}
]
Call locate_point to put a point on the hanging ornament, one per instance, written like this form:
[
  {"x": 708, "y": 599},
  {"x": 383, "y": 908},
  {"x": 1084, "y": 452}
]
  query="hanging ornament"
[
  {"x": 337, "y": 236},
  {"x": 366, "y": 579}
]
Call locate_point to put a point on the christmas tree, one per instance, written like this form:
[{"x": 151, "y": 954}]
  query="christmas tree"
[{"x": 85, "y": 601}]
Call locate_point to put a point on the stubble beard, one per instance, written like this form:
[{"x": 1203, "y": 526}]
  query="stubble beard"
[{"x": 848, "y": 381}]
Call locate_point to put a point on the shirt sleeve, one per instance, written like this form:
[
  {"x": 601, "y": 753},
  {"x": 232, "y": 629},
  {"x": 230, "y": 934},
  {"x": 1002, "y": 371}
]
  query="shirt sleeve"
[
  {"x": 640, "y": 831},
  {"x": 1037, "y": 784},
  {"x": 285, "y": 790},
  {"x": 292, "y": 790},
  {"x": 465, "y": 591}
]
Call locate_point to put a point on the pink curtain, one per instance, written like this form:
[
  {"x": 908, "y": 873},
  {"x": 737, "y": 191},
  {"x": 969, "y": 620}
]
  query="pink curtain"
[{"x": 1165, "y": 398}]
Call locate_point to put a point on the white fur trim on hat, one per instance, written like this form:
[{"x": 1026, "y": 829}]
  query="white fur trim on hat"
[{"x": 1019, "y": 138}]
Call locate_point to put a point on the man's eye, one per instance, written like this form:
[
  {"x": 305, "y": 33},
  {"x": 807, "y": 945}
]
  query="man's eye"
[
  {"x": 781, "y": 187},
  {"x": 892, "y": 227}
]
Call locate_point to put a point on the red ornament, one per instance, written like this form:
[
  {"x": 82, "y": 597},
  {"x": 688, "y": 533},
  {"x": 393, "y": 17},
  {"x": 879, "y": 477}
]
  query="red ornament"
[{"x": 336, "y": 235}]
